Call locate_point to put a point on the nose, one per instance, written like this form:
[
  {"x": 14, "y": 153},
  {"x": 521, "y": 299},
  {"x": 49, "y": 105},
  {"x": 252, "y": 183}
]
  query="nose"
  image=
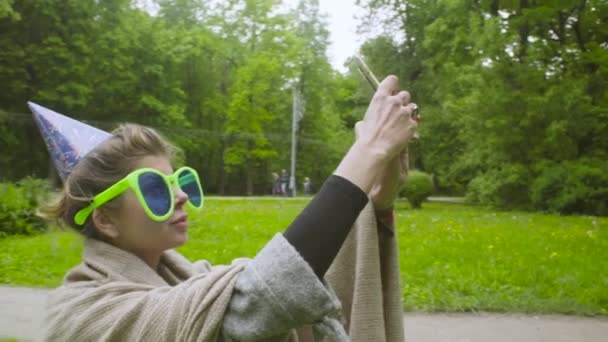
[{"x": 180, "y": 196}]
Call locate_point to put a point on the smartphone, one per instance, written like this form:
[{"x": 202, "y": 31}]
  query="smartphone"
[{"x": 368, "y": 74}]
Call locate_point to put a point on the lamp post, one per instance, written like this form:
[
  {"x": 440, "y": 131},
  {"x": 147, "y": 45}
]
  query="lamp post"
[{"x": 297, "y": 114}]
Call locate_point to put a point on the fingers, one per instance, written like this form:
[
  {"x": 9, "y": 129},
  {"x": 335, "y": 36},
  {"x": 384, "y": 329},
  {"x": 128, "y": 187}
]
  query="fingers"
[
  {"x": 413, "y": 117},
  {"x": 389, "y": 118},
  {"x": 411, "y": 110},
  {"x": 388, "y": 86},
  {"x": 404, "y": 96},
  {"x": 412, "y": 122},
  {"x": 406, "y": 112}
]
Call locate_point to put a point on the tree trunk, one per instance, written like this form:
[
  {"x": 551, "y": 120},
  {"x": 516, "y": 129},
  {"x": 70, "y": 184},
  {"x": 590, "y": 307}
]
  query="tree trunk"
[
  {"x": 249, "y": 171},
  {"x": 222, "y": 180},
  {"x": 524, "y": 32},
  {"x": 224, "y": 91}
]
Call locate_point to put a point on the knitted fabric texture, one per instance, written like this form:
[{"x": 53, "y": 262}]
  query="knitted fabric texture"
[
  {"x": 114, "y": 296},
  {"x": 365, "y": 276}
]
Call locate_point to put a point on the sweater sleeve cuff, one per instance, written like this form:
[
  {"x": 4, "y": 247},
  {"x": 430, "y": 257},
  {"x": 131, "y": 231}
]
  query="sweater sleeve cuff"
[
  {"x": 349, "y": 190},
  {"x": 280, "y": 291}
]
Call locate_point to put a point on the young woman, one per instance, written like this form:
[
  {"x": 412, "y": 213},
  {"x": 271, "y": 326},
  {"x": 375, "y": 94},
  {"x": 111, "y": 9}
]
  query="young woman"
[{"x": 127, "y": 200}]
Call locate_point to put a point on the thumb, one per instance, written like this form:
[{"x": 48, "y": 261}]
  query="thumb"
[
  {"x": 358, "y": 128},
  {"x": 405, "y": 160}
]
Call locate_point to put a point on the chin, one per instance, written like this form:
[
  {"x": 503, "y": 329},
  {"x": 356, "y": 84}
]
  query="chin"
[{"x": 181, "y": 239}]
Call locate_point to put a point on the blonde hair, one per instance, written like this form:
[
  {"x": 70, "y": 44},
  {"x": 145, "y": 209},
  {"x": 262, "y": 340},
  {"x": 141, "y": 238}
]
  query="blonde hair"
[{"x": 105, "y": 165}]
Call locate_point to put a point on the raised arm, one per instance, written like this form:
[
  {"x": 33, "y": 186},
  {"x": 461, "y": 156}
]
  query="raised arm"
[
  {"x": 277, "y": 290},
  {"x": 319, "y": 231}
]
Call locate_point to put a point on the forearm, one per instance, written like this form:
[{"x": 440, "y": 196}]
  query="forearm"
[
  {"x": 319, "y": 231},
  {"x": 362, "y": 166}
]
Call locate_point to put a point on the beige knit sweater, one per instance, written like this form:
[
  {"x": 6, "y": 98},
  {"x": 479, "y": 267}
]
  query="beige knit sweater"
[
  {"x": 115, "y": 296},
  {"x": 365, "y": 276}
]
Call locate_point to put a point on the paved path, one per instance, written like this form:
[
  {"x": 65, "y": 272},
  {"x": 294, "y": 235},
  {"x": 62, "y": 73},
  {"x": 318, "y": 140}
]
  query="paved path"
[
  {"x": 22, "y": 310},
  {"x": 504, "y": 328}
]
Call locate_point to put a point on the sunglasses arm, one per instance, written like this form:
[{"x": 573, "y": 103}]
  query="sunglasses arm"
[{"x": 99, "y": 200}]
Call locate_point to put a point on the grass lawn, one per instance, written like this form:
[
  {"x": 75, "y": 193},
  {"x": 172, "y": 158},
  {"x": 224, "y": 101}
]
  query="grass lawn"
[{"x": 453, "y": 257}]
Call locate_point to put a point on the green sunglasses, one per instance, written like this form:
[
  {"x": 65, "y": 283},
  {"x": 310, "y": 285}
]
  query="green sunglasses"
[{"x": 153, "y": 190}]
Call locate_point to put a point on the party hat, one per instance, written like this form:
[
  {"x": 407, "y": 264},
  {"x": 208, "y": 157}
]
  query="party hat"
[{"x": 68, "y": 140}]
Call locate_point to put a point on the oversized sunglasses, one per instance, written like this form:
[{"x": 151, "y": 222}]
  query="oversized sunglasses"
[{"x": 153, "y": 190}]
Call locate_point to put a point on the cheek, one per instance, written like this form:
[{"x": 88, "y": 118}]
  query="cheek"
[
  {"x": 133, "y": 216},
  {"x": 140, "y": 223},
  {"x": 140, "y": 228},
  {"x": 133, "y": 210}
]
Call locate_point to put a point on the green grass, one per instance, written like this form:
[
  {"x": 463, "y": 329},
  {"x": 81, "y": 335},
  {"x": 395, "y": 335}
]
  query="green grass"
[
  {"x": 453, "y": 257},
  {"x": 459, "y": 258}
]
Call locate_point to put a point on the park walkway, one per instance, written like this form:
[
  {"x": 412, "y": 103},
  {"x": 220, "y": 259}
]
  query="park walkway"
[{"x": 22, "y": 312}]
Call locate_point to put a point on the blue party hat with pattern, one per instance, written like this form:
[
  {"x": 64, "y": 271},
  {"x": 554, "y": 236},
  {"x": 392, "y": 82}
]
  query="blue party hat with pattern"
[{"x": 68, "y": 140}]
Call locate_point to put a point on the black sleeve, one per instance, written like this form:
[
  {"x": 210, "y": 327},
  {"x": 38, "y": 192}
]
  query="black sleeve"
[{"x": 321, "y": 228}]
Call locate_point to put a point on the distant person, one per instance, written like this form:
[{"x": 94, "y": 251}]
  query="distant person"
[
  {"x": 308, "y": 190},
  {"x": 276, "y": 184},
  {"x": 284, "y": 182}
]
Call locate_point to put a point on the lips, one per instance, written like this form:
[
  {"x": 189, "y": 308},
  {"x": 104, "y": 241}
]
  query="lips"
[{"x": 180, "y": 219}]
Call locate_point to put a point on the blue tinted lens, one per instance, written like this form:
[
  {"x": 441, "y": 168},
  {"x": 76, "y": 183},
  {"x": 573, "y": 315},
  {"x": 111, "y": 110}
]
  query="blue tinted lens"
[
  {"x": 188, "y": 183},
  {"x": 155, "y": 193}
]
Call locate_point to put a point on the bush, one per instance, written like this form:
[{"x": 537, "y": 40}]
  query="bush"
[
  {"x": 506, "y": 188},
  {"x": 18, "y": 204},
  {"x": 419, "y": 186},
  {"x": 572, "y": 187}
]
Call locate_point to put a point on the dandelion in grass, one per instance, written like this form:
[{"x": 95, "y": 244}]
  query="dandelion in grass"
[{"x": 553, "y": 255}]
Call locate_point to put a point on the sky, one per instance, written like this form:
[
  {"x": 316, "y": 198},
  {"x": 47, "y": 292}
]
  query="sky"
[{"x": 344, "y": 41}]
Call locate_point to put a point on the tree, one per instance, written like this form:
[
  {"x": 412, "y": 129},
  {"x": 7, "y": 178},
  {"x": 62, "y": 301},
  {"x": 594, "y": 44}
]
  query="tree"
[
  {"x": 258, "y": 95},
  {"x": 322, "y": 137},
  {"x": 36, "y": 49},
  {"x": 7, "y": 11},
  {"x": 501, "y": 83}
]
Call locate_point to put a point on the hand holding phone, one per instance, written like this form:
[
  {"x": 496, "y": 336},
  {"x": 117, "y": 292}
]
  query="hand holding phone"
[
  {"x": 373, "y": 81},
  {"x": 384, "y": 192}
]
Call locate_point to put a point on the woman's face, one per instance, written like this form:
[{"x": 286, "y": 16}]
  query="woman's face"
[{"x": 139, "y": 233}]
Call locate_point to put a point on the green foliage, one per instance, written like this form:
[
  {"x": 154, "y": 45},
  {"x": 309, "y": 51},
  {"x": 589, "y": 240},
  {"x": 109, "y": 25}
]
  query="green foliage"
[
  {"x": 573, "y": 187},
  {"x": 18, "y": 205},
  {"x": 418, "y": 188},
  {"x": 506, "y": 88},
  {"x": 506, "y": 187},
  {"x": 501, "y": 85},
  {"x": 453, "y": 257},
  {"x": 6, "y": 10},
  {"x": 215, "y": 78}
]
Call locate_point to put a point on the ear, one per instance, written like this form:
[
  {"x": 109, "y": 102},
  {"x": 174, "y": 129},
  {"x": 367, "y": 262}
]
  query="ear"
[{"x": 104, "y": 223}]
